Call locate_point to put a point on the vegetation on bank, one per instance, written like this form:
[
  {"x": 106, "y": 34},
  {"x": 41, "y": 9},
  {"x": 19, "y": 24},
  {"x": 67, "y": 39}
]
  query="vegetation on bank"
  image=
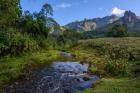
[
  {"x": 12, "y": 68},
  {"x": 26, "y": 41},
  {"x": 115, "y": 85},
  {"x": 112, "y": 59},
  {"x": 110, "y": 56}
]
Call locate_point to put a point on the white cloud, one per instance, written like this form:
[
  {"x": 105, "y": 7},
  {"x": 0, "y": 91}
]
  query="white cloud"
[
  {"x": 117, "y": 11},
  {"x": 62, "y": 6}
]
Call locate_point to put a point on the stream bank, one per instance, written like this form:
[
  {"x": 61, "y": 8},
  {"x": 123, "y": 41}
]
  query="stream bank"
[{"x": 60, "y": 77}]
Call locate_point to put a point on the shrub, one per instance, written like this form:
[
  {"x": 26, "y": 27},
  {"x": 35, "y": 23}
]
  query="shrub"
[
  {"x": 117, "y": 67},
  {"x": 13, "y": 42}
]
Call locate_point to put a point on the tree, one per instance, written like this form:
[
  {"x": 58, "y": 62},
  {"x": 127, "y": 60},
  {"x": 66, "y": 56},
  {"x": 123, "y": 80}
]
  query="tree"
[
  {"x": 10, "y": 11},
  {"x": 47, "y": 10},
  {"x": 41, "y": 19},
  {"x": 118, "y": 30},
  {"x": 36, "y": 23}
]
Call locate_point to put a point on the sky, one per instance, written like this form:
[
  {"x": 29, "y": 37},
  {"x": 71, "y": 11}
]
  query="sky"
[{"x": 66, "y": 11}]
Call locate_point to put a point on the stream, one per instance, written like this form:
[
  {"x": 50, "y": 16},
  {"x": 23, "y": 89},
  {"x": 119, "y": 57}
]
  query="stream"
[{"x": 60, "y": 77}]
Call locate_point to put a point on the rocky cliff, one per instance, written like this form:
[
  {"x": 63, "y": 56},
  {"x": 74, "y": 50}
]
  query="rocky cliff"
[
  {"x": 92, "y": 24},
  {"x": 130, "y": 19}
]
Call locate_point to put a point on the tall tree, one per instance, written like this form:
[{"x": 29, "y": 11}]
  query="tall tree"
[
  {"x": 36, "y": 23},
  {"x": 47, "y": 10},
  {"x": 10, "y": 11}
]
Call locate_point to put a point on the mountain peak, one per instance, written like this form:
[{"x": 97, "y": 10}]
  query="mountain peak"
[{"x": 129, "y": 16}]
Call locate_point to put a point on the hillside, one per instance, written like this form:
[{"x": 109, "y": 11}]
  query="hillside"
[
  {"x": 130, "y": 19},
  {"x": 92, "y": 24}
]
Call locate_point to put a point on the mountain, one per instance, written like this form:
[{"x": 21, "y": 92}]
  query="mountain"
[
  {"x": 54, "y": 27},
  {"x": 130, "y": 19},
  {"x": 92, "y": 24}
]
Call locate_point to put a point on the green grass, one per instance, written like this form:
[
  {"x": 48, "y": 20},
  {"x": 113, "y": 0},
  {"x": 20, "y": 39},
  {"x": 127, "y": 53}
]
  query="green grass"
[
  {"x": 114, "y": 47},
  {"x": 115, "y": 85},
  {"x": 109, "y": 57},
  {"x": 127, "y": 41},
  {"x": 13, "y": 67}
]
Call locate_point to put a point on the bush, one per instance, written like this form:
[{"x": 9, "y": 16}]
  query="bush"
[
  {"x": 13, "y": 42},
  {"x": 110, "y": 56},
  {"x": 117, "y": 67}
]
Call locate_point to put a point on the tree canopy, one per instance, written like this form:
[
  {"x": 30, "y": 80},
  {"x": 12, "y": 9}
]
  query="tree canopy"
[
  {"x": 10, "y": 11},
  {"x": 118, "y": 30}
]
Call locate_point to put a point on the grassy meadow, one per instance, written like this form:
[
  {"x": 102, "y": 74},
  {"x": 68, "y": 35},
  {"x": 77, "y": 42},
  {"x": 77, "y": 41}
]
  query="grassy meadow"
[
  {"x": 115, "y": 85},
  {"x": 115, "y": 60}
]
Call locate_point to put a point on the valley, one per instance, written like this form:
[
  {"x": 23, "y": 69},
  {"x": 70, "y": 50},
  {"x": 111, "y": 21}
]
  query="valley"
[
  {"x": 43, "y": 51},
  {"x": 104, "y": 62}
]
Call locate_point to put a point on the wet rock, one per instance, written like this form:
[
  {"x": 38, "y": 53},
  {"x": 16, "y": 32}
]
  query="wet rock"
[{"x": 54, "y": 80}]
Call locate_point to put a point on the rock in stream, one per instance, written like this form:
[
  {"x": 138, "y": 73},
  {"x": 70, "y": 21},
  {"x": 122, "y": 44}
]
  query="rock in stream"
[{"x": 61, "y": 77}]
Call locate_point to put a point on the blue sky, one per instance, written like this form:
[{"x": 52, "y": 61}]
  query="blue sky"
[{"x": 66, "y": 11}]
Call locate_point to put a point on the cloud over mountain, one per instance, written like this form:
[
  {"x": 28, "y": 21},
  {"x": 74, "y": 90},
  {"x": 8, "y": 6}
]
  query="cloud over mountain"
[{"x": 117, "y": 11}]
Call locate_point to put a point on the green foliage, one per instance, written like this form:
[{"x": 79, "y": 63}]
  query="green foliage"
[
  {"x": 34, "y": 24},
  {"x": 47, "y": 10},
  {"x": 115, "y": 85},
  {"x": 71, "y": 34},
  {"x": 110, "y": 56},
  {"x": 13, "y": 42},
  {"x": 93, "y": 70},
  {"x": 9, "y": 12},
  {"x": 85, "y": 91},
  {"x": 71, "y": 37},
  {"x": 118, "y": 30},
  {"x": 18, "y": 67},
  {"x": 21, "y": 33},
  {"x": 115, "y": 48},
  {"x": 30, "y": 31},
  {"x": 117, "y": 67}
]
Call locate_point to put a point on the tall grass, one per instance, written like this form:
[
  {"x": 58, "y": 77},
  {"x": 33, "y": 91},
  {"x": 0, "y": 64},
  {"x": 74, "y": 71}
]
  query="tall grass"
[
  {"x": 113, "y": 85},
  {"x": 110, "y": 56},
  {"x": 14, "y": 67}
]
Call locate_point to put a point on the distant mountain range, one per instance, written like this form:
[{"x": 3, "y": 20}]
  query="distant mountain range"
[{"x": 130, "y": 19}]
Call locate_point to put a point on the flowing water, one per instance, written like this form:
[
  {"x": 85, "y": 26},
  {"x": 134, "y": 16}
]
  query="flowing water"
[{"x": 60, "y": 77}]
